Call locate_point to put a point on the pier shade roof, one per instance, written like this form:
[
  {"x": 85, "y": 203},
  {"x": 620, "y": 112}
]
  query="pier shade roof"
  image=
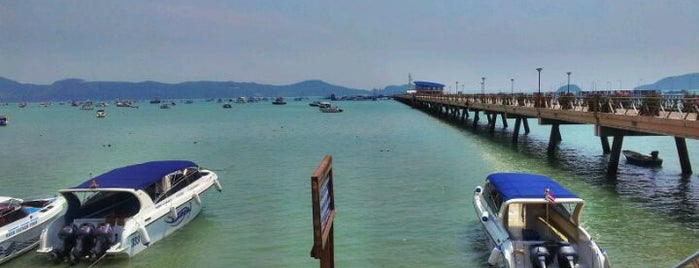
[
  {"x": 522, "y": 185},
  {"x": 137, "y": 176},
  {"x": 426, "y": 84}
]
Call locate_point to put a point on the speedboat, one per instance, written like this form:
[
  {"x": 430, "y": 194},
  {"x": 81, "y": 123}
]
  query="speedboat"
[
  {"x": 644, "y": 160},
  {"x": 532, "y": 221},
  {"x": 3, "y": 120},
  {"x": 101, "y": 113},
  {"x": 279, "y": 101},
  {"x": 123, "y": 211},
  {"x": 21, "y": 223},
  {"x": 326, "y": 107}
]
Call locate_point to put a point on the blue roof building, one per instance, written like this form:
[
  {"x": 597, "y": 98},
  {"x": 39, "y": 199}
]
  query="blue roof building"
[{"x": 424, "y": 87}]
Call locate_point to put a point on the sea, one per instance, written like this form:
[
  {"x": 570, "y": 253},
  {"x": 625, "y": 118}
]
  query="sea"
[{"x": 403, "y": 181}]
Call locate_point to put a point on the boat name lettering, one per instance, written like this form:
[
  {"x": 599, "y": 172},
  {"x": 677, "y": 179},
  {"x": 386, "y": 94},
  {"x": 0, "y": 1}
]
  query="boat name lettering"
[
  {"x": 22, "y": 227},
  {"x": 181, "y": 214}
]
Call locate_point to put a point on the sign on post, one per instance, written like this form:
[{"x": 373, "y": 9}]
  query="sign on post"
[{"x": 323, "y": 203}]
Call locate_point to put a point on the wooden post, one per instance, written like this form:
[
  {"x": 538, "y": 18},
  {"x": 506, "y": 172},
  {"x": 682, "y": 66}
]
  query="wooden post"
[
  {"x": 503, "y": 116},
  {"x": 554, "y": 138},
  {"x": 323, "y": 203},
  {"x": 515, "y": 132}
]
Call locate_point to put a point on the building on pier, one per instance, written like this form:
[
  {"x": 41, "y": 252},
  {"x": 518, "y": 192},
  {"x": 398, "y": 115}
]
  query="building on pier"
[{"x": 429, "y": 88}]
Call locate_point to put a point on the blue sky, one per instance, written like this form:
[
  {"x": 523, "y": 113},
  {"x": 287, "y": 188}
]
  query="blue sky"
[{"x": 361, "y": 43}]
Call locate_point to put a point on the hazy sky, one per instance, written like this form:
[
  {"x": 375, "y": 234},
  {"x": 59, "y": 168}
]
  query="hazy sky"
[{"x": 359, "y": 43}]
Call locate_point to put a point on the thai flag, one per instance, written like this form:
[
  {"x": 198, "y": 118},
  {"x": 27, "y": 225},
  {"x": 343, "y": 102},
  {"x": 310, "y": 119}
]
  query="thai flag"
[{"x": 549, "y": 197}]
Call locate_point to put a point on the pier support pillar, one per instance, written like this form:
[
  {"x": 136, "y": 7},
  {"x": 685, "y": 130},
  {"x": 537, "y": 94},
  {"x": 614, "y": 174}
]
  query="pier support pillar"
[
  {"x": 492, "y": 119},
  {"x": 515, "y": 132},
  {"x": 554, "y": 137},
  {"x": 683, "y": 155},
  {"x": 605, "y": 144},
  {"x": 526, "y": 125},
  {"x": 475, "y": 118},
  {"x": 503, "y": 116},
  {"x": 613, "y": 165}
]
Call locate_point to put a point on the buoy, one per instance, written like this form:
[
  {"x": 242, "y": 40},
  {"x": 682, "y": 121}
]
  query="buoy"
[
  {"x": 196, "y": 197},
  {"x": 494, "y": 257},
  {"x": 145, "y": 238},
  {"x": 217, "y": 185}
]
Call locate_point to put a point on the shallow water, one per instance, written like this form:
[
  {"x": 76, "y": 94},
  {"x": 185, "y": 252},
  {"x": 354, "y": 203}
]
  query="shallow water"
[{"x": 403, "y": 181}]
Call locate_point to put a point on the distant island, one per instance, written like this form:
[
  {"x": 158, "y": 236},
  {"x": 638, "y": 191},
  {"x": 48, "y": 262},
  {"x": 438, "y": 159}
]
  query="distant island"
[{"x": 78, "y": 89}]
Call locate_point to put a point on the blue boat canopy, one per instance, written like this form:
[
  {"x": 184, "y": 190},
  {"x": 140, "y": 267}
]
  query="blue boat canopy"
[
  {"x": 522, "y": 185},
  {"x": 137, "y": 176}
]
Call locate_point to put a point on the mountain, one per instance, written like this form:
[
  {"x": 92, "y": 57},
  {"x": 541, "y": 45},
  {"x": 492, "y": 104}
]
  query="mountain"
[
  {"x": 686, "y": 82},
  {"x": 78, "y": 89}
]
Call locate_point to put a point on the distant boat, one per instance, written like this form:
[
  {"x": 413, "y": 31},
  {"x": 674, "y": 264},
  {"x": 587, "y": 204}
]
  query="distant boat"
[
  {"x": 155, "y": 101},
  {"x": 87, "y": 106},
  {"x": 279, "y": 101},
  {"x": 326, "y": 107},
  {"x": 314, "y": 104},
  {"x": 101, "y": 113},
  {"x": 3, "y": 120},
  {"x": 227, "y": 106},
  {"x": 643, "y": 160},
  {"x": 241, "y": 100},
  {"x": 23, "y": 104},
  {"x": 164, "y": 106}
]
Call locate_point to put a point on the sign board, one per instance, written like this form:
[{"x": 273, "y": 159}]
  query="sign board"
[{"x": 323, "y": 203}]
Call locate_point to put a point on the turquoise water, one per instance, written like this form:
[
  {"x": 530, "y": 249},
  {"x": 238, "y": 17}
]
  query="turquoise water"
[{"x": 403, "y": 181}]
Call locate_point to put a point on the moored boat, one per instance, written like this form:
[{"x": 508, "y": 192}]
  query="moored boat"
[
  {"x": 532, "y": 221},
  {"x": 227, "y": 106},
  {"x": 101, "y": 113},
  {"x": 326, "y": 107},
  {"x": 21, "y": 223},
  {"x": 3, "y": 120},
  {"x": 279, "y": 101},
  {"x": 645, "y": 160},
  {"x": 121, "y": 212}
]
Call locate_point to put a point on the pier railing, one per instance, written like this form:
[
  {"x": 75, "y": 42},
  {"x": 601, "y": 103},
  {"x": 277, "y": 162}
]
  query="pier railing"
[{"x": 655, "y": 106}]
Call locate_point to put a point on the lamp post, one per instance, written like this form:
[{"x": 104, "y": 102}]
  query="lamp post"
[
  {"x": 568, "y": 82},
  {"x": 457, "y": 87},
  {"x": 483, "y": 85},
  {"x": 539, "y": 70},
  {"x": 512, "y": 87}
]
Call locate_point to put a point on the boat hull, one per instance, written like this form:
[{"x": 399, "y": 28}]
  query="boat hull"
[{"x": 23, "y": 235}]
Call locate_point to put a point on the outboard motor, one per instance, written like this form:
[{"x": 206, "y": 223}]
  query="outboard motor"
[
  {"x": 83, "y": 243},
  {"x": 540, "y": 256},
  {"x": 67, "y": 237},
  {"x": 104, "y": 238},
  {"x": 567, "y": 257}
]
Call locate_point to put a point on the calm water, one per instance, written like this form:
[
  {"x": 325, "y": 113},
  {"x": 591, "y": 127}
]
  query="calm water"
[{"x": 403, "y": 181}]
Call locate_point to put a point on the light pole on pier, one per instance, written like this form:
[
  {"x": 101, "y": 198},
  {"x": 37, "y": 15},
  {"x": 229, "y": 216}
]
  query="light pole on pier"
[
  {"x": 512, "y": 87},
  {"x": 539, "y": 70},
  {"x": 457, "y": 87},
  {"x": 483, "y": 85},
  {"x": 568, "y": 82}
]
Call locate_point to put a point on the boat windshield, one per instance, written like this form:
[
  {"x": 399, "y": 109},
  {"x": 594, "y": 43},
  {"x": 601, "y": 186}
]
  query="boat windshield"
[{"x": 100, "y": 204}]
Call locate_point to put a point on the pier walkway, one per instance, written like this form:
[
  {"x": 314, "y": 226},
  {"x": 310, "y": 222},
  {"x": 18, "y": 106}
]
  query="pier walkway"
[{"x": 612, "y": 116}]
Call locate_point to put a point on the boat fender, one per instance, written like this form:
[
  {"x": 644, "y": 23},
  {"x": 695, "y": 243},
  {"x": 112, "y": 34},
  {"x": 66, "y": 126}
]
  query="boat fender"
[
  {"x": 479, "y": 189},
  {"x": 494, "y": 257},
  {"x": 145, "y": 238},
  {"x": 196, "y": 197},
  {"x": 484, "y": 216},
  {"x": 217, "y": 185},
  {"x": 173, "y": 212}
]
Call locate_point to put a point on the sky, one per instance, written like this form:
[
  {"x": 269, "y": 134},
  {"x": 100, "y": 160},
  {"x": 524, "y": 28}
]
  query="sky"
[{"x": 362, "y": 44}]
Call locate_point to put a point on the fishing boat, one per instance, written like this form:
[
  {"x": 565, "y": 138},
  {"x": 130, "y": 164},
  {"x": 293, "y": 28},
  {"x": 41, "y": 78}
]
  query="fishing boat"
[
  {"x": 644, "y": 160},
  {"x": 21, "y": 223},
  {"x": 326, "y": 107},
  {"x": 123, "y": 211},
  {"x": 532, "y": 221},
  {"x": 279, "y": 101}
]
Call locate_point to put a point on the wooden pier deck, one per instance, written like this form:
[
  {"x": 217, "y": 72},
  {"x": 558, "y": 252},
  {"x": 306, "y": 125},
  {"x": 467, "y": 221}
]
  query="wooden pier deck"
[{"x": 612, "y": 116}]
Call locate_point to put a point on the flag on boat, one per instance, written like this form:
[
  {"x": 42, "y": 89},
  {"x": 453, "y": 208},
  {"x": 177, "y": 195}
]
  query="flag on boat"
[{"x": 549, "y": 196}]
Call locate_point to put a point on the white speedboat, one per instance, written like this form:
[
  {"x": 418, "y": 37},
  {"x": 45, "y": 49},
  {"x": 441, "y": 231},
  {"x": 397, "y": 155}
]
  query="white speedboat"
[
  {"x": 123, "y": 211},
  {"x": 326, "y": 107},
  {"x": 532, "y": 221},
  {"x": 21, "y": 223}
]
